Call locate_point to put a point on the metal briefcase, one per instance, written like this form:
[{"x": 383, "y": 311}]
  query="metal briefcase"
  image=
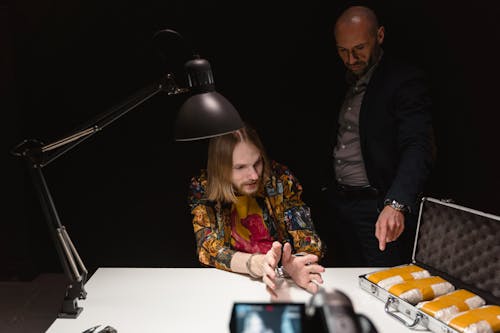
[{"x": 459, "y": 244}]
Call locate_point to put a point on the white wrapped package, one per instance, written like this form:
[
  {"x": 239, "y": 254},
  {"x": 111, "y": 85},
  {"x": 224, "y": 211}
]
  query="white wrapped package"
[
  {"x": 485, "y": 319},
  {"x": 415, "y": 291},
  {"x": 389, "y": 277},
  {"x": 446, "y": 306}
]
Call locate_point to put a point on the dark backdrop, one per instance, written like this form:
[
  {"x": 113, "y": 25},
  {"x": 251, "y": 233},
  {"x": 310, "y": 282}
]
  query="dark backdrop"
[{"x": 122, "y": 194}]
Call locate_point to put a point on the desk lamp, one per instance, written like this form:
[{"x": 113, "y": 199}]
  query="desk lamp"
[{"x": 204, "y": 114}]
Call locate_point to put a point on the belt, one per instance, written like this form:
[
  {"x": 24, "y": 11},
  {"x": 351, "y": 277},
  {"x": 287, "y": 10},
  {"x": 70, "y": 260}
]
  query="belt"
[{"x": 356, "y": 192}]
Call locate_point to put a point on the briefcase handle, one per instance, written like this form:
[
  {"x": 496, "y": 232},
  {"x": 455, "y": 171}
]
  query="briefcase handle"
[{"x": 393, "y": 302}]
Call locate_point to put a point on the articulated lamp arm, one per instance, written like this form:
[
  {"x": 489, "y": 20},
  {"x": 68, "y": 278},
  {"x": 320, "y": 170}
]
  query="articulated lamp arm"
[{"x": 204, "y": 114}]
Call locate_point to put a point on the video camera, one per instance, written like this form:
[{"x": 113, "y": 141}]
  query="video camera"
[{"x": 328, "y": 312}]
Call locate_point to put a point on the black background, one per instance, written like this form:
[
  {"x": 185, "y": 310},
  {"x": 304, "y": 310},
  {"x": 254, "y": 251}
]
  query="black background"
[{"x": 122, "y": 194}]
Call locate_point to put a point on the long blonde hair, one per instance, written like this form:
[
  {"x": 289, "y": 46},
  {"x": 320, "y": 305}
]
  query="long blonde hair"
[{"x": 220, "y": 163}]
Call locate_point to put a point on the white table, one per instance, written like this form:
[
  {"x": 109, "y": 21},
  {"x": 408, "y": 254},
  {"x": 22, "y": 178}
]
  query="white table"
[{"x": 148, "y": 300}]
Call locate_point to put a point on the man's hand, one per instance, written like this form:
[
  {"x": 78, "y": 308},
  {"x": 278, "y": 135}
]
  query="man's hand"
[
  {"x": 303, "y": 269},
  {"x": 269, "y": 264},
  {"x": 389, "y": 226}
]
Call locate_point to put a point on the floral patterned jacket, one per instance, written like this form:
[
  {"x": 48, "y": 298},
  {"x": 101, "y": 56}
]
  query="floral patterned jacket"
[{"x": 286, "y": 217}]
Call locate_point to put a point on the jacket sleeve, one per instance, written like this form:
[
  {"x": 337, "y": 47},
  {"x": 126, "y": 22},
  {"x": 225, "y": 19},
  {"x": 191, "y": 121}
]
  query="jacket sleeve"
[
  {"x": 210, "y": 245},
  {"x": 297, "y": 215},
  {"x": 412, "y": 105}
]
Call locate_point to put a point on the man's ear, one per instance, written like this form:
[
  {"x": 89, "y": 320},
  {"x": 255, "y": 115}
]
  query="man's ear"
[{"x": 380, "y": 35}]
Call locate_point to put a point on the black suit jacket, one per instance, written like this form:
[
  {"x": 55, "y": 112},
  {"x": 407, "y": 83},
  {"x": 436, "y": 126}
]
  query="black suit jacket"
[{"x": 396, "y": 132}]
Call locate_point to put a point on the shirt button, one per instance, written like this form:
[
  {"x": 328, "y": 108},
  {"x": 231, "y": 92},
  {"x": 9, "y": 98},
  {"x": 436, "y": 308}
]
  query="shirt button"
[
  {"x": 348, "y": 127},
  {"x": 339, "y": 179},
  {"x": 339, "y": 161},
  {"x": 349, "y": 108},
  {"x": 343, "y": 146}
]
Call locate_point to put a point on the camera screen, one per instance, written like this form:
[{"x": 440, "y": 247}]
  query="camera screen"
[{"x": 267, "y": 318}]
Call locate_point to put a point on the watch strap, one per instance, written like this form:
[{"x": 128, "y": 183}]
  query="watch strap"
[{"x": 397, "y": 205}]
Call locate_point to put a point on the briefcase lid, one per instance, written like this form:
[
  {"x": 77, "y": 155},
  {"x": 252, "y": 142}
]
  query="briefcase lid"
[{"x": 461, "y": 245}]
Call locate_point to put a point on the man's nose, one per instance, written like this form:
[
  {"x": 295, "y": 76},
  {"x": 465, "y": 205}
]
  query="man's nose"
[
  {"x": 253, "y": 174},
  {"x": 352, "y": 57}
]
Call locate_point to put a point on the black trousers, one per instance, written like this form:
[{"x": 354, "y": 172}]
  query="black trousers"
[{"x": 351, "y": 240}]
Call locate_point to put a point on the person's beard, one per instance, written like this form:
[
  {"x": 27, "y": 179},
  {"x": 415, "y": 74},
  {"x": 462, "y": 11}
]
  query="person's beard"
[
  {"x": 241, "y": 188},
  {"x": 368, "y": 64},
  {"x": 362, "y": 69}
]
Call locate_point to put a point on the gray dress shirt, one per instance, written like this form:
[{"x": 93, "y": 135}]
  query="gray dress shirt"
[{"x": 347, "y": 158}]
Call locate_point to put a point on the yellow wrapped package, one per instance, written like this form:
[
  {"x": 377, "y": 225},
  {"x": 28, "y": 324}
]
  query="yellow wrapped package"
[
  {"x": 415, "y": 291},
  {"x": 485, "y": 319},
  {"x": 446, "y": 306},
  {"x": 389, "y": 277}
]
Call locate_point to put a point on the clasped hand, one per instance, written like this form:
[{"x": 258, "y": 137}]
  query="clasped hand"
[{"x": 304, "y": 269}]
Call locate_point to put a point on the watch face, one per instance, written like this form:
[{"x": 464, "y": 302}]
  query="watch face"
[{"x": 396, "y": 205}]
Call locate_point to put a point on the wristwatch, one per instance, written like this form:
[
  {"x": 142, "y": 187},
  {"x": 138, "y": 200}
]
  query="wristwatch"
[{"x": 397, "y": 206}]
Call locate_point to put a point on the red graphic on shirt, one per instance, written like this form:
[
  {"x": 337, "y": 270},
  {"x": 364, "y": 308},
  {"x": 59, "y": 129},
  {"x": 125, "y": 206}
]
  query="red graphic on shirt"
[{"x": 260, "y": 241}]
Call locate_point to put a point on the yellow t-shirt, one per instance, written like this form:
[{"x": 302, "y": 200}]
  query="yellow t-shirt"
[{"x": 248, "y": 230}]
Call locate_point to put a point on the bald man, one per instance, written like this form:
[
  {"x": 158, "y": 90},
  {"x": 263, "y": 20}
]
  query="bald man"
[{"x": 382, "y": 148}]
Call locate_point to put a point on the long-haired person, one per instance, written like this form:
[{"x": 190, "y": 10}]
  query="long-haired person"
[{"x": 245, "y": 207}]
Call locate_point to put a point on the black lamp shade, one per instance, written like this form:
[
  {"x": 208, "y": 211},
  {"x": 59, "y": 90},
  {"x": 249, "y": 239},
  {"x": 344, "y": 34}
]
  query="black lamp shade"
[{"x": 206, "y": 115}]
